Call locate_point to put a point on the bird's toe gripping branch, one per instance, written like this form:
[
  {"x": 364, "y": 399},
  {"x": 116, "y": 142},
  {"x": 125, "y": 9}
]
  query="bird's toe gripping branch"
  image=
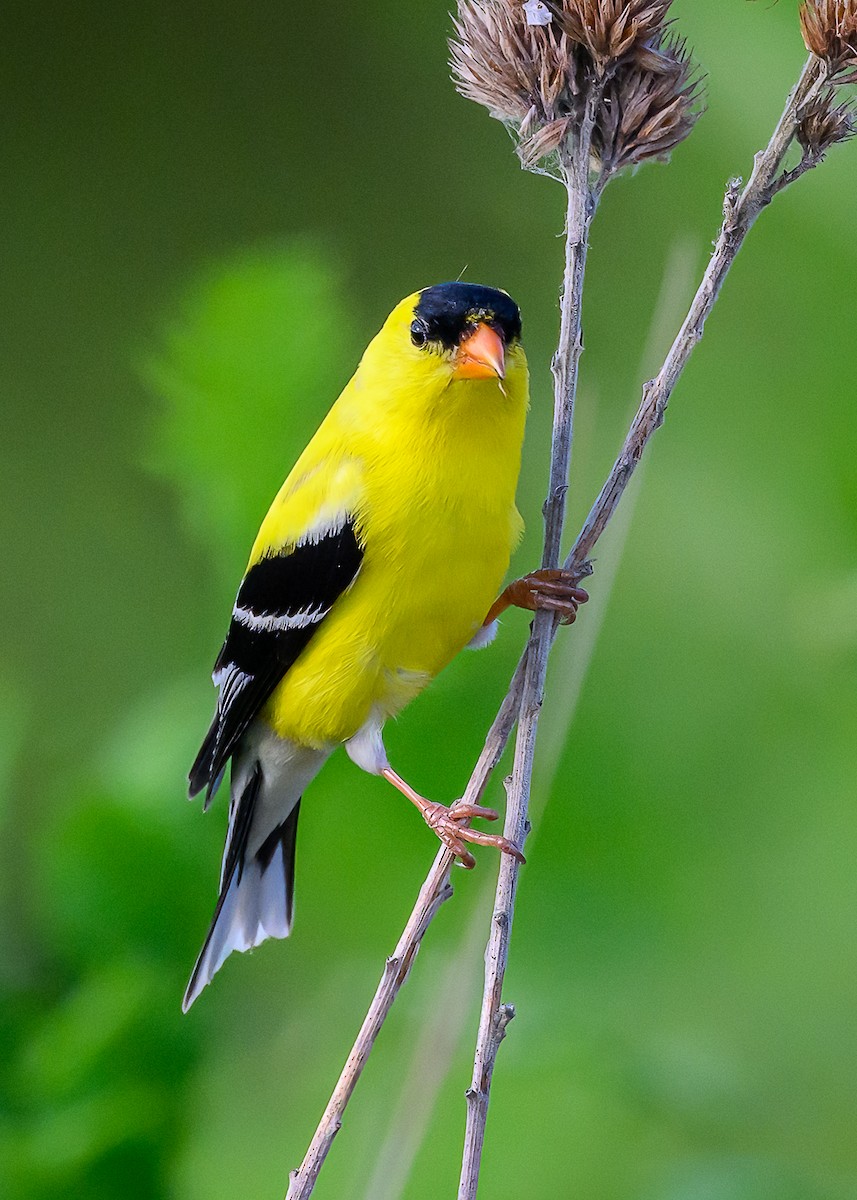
[
  {"x": 450, "y": 823},
  {"x": 547, "y": 590}
]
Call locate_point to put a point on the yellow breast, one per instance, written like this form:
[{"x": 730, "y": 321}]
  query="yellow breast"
[{"x": 431, "y": 481}]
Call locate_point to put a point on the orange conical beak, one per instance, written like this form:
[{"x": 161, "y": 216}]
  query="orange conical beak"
[{"x": 481, "y": 355}]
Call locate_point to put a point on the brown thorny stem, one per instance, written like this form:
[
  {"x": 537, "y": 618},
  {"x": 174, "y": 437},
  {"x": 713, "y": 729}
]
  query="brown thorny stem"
[{"x": 524, "y": 697}]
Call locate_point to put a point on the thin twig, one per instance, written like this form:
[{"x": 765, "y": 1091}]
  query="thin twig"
[
  {"x": 495, "y": 1016},
  {"x": 572, "y": 657},
  {"x": 439, "y": 1037},
  {"x": 809, "y": 161},
  {"x": 528, "y": 682},
  {"x": 435, "y": 890},
  {"x": 436, "y": 1045},
  {"x": 741, "y": 210},
  {"x": 434, "y": 1050}
]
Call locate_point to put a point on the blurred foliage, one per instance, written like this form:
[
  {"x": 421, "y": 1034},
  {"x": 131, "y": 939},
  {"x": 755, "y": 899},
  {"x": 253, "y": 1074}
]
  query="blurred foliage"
[
  {"x": 207, "y": 213},
  {"x": 267, "y": 335}
]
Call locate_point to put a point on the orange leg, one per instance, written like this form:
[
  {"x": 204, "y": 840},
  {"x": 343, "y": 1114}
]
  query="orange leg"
[
  {"x": 450, "y": 823},
  {"x": 547, "y": 591}
]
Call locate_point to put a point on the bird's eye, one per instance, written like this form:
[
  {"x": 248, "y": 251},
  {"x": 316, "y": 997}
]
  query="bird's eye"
[{"x": 419, "y": 333}]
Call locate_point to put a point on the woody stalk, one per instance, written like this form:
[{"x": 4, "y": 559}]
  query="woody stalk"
[{"x": 588, "y": 88}]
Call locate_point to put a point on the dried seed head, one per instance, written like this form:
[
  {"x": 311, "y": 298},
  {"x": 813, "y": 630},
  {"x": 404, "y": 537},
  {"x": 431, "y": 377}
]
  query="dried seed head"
[
  {"x": 611, "y": 29},
  {"x": 829, "y": 30},
  {"x": 824, "y": 124},
  {"x": 534, "y": 63},
  {"x": 517, "y": 70},
  {"x": 647, "y": 112}
]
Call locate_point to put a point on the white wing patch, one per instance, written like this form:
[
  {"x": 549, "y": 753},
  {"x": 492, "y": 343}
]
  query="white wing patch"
[
  {"x": 327, "y": 523},
  {"x": 277, "y": 622},
  {"x": 231, "y": 681}
]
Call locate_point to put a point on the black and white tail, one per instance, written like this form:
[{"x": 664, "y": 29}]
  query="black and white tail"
[{"x": 256, "y": 899}]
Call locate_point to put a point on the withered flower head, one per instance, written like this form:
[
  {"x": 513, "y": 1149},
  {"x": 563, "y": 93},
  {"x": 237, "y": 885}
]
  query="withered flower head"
[
  {"x": 534, "y": 64},
  {"x": 647, "y": 111},
  {"x": 611, "y": 29},
  {"x": 518, "y": 71},
  {"x": 829, "y": 30},
  {"x": 824, "y": 124}
]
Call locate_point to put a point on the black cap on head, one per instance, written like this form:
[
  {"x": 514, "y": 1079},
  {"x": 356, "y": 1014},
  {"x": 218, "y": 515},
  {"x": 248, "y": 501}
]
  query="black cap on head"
[{"x": 446, "y": 312}]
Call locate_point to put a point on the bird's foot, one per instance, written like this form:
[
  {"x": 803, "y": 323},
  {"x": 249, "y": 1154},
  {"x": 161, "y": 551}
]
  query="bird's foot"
[
  {"x": 450, "y": 825},
  {"x": 548, "y": 590}
]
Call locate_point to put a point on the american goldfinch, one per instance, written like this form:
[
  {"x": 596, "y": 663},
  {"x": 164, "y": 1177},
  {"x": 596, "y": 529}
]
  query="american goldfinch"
[{"x": 380, "y": 559}]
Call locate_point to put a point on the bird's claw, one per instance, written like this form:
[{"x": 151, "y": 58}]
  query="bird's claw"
[
  {"x": 548, "y": 590},
  {"x": 449, "y": 825},
  {"x": 468, "y": 812}
]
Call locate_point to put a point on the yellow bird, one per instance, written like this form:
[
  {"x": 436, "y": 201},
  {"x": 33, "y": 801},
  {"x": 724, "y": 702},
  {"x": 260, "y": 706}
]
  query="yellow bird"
[{"x": 379, "y": 559}]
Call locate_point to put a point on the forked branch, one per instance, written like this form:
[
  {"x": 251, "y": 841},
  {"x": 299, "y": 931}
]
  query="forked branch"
[
  {"x": 741, "y": 208},
  {"x": 610, "y": 146}
]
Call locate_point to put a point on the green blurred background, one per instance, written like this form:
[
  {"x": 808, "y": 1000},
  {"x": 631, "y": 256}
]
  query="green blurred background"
[{"x": 207, "y": 211}]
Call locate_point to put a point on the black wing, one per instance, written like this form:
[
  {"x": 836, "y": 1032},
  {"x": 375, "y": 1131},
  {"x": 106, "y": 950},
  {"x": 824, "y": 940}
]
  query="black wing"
[{"x": 282, "y": 600}]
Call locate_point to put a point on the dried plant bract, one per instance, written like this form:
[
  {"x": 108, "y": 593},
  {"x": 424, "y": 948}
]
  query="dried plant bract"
[
  {"x": 646, "y": 113},
  {"x": 829, "y": 30},
  {"x": 825, "y": 123},
  {"x": 611, "y": 29},
  {"x": 516, "y": 70}
]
